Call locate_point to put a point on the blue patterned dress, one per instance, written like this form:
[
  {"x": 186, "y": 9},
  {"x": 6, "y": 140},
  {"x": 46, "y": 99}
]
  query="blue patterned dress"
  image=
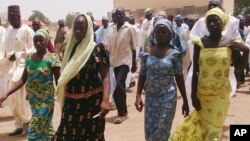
[
  {"x": 160, "y": 88},
  {"x": 40, "y": 94}
]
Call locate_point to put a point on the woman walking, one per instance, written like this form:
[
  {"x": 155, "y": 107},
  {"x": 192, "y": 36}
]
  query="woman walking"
[
  {"x": 159, "y": 70},
  {"x": 211, "y": 86},
  {"x": 40, "y": 68},
  {"x": 81, "y": 92}
]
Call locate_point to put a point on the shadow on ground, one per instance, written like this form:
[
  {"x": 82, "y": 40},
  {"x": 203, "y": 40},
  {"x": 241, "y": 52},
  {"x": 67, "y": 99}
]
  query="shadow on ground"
[
  {"x": 6, "y": 137},
  {"x": 224, "y": 135},
  {"x": 110, "y": 119},
  {"x": 6, "y": 118}
]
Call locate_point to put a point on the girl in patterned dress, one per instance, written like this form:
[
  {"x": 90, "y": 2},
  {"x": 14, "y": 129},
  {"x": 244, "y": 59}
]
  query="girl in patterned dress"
[
  {"x": 159, "y": 70},
  {"x": 82, "y": 93},
  {"x": 38, "y": 75},
  {"x": 210, "y": 83}
]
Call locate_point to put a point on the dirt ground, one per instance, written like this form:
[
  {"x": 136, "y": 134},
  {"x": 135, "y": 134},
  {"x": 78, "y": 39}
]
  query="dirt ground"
[{"x": 133, "y": 128}]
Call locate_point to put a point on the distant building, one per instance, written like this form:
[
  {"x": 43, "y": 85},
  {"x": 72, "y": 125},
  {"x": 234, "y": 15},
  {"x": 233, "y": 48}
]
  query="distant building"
[{"x": 194, "y": 8}]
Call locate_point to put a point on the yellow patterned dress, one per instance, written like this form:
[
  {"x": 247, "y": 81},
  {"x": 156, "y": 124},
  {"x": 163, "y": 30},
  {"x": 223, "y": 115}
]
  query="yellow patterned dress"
[{"x": 213, "y": 92}]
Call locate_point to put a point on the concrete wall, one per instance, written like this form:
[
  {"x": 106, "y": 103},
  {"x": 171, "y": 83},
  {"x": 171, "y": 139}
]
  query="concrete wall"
[
  {"x": 157, "y": 4},
  {"x": 189, "y": 8},
  {"x": 228, "y": 6}
]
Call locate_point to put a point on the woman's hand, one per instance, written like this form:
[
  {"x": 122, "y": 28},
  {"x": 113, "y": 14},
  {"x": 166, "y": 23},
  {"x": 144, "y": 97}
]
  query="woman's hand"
[
  {"x": 12, "y": 57},
  {"x": 196, "y": 102},
  {"x": 138, "y": 103},
  {"x": 133, "y": 68},
  {"x": 185, "y": 109},
  {"x": 105, "y": 107},
  {"x": 237, "y": 46},
  {"x": 3, "y": 98}
]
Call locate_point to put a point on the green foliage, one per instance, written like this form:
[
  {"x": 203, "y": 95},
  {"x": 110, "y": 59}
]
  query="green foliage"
[
  {"x": 241, "y": 7},
  {"x": 69, "y": 19},
  {"x": 39, "y": 15}
]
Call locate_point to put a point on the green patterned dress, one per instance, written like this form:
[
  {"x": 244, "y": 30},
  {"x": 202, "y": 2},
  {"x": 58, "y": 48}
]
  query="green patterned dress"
[{"x": 40, "y": 93}]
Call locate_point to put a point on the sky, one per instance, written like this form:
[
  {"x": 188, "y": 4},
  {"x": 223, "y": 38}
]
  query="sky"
[{"x": 58, "y": 9}]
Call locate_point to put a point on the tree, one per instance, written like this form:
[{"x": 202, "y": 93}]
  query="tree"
[
  {"x": 40, "y": 15},
  {"x": 69, "y": 19},
  {"x": 241, "y": 7}
]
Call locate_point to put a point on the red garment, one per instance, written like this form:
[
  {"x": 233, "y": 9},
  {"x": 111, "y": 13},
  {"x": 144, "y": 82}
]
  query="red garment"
[{"x": 50, "y": 47}]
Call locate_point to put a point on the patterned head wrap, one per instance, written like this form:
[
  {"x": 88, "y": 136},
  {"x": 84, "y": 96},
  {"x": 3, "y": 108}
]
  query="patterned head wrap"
[
  {"x": 218, "y": 12},
  {"x": 14, "y": 9},
  {"x": 42, "y": 32},
  {"x": 218, "y": 2},
  {"x": 165, "y": 22},
  {"x": 160, "y": 21}
]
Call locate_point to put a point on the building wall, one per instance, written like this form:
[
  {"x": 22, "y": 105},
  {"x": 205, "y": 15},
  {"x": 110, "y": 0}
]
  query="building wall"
[
  {"x": 187, "y": 8},
  {"x": 228, "y": 6},
  {"x": 157, "y": 4}
]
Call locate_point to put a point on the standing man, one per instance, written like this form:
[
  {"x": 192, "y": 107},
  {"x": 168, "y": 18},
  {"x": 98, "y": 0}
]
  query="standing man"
[
  {"x": 146, "y": 27},
  {"x": 179, "y": 28},
  {"x": 18, "y": 44},
  {"x": 60, "y": 39},
  {"x": 121, "y": 45},
  {"x": 101, "y": 33}
]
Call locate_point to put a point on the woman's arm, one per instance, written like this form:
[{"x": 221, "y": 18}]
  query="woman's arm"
[
  {"x": 141, "y": 83},
  {"x": 56, "y": 73},
  {"x": 239, "y": 61},
  {"x": 195, "y": 100},
  {"x": 181, "y": 85},
  {"x": 104, "y": 72},
  {"x": 17, "y": 86}
]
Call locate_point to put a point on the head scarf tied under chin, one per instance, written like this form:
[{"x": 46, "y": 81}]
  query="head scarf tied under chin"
[
  {"x": 70, "y": 67},
  {"x": 218, "y": 12},
  {"x": 166, "y": 23},
  {"x": 42, "y": 32}
]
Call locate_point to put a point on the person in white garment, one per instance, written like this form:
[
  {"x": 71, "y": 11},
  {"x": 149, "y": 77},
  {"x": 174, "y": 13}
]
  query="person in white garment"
[
  {"x": 187, "y": 44},
  {"x": 131, "y": 76},
  {"x": 122, "y": 48},
  {"x": 230, "y": 34},
  {"x": 146, "y": 27},
  {"x": 187, "y": 59},
  {"x": 18, "y": 44},
  {"x": 247, "y": 35},
  {"x": 179, "y": 28},
  {"x": 2, "y": 73},
  {"x": 101, "y": 33}
]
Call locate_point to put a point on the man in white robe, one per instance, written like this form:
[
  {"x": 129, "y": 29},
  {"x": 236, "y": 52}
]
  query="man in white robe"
[
  {"x": 146, "y": 27},
  {"x": 101, "y": 33},
  {"x": 18, "y": 44},
  {"x": 2, "y": 74}
]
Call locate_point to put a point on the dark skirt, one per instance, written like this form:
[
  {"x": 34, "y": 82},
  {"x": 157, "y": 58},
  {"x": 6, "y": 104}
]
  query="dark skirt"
[{"x": 77, "y": 122}]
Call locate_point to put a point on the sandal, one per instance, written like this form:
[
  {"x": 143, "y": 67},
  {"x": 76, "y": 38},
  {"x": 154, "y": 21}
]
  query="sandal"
[{"x": 120, "y": 119}]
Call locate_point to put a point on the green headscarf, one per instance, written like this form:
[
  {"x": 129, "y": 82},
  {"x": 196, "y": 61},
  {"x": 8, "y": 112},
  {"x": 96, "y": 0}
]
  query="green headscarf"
[{"x": 42, "y": 32}]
